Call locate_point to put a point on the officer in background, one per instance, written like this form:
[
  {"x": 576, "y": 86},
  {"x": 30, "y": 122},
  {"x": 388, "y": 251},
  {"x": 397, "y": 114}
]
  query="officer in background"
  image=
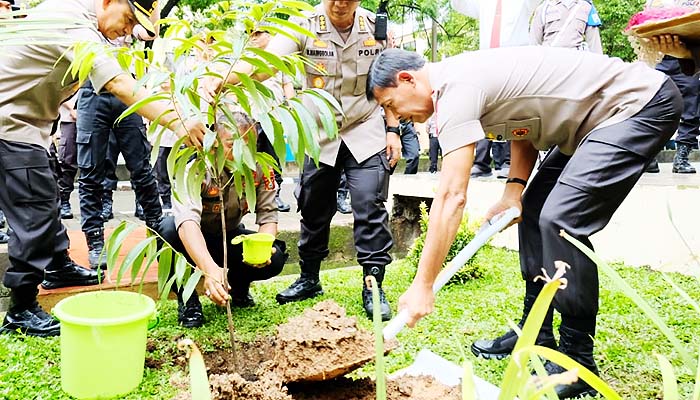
[
  {"x": 341, "y": 53},
  {"x": 34, "y": 81},
  {"x": 195, "y": 230},
  {"x": 67, "y": 156},
  {"x": 97, "y": 119},
  {"x": 410, "y": 147},
  {"x": 573, "y": 24},
  {"x": 502, "y": 23}
]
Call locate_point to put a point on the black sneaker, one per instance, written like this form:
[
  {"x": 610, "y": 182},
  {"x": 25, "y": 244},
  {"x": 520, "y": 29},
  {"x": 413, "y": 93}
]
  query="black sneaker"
[
  {"x": 190, "y": 314},
  {"x": 64, "y": 272},
  {"x": 33, "y": 321},
  {"x": 576, "y": 390},
  {"x": 502, "y": 346},
  {"x": 66, "y": 212},
  {"x": 246, "y": 301},
  {"x": 282, "y": 206},
  {"x": 302, "y": 289},
  {"x": 368, "y": 304}
]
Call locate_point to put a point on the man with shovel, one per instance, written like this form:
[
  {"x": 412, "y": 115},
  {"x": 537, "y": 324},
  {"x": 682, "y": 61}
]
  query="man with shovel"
[
  {"x": 605, "y": 121},
  {"x": 34, "y": 80}
]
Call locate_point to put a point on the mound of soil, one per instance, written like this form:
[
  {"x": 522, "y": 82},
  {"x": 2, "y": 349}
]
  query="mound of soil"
[{"x": 320, "y": 344}]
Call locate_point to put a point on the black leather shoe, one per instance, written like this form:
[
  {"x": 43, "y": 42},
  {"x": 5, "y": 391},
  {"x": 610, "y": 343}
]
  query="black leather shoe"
[
  {"x": 107, "y": 204},
  {"x": 64, "y": 272},
  {"x": 190, "y": 314},
  {"x": 302, "y": 289},
  {"x": 32, "y": 321},
  {"x": 66, "y": 212},
  {"x": 97, "y": 257},
  {"x": 576, "y": 390},
  {"x": 4, "y": 237},
  {"x": 246, "y": 301},
  {"x": 503, "y": 345},
  {"x": 342, "y": 204},
  {"x": 681, "y": 164},
  {"x": 281, "y": 205},
  {"x": 369, "y": 305},
  {"x": 653, "y": 167},
  {"x": 477, "y": 172}
]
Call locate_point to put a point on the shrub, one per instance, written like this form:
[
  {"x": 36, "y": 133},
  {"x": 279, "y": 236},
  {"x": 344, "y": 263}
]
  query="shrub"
[{"x": 465, "y": 234}]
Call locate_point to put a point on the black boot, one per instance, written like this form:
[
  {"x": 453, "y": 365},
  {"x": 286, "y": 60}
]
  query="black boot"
[
  {"x": 138, "y": 212},
  {"x": 63, "y": 272},
  {"x": 96, "y": 255},
  {"x": 26, "y": 316},
  {"x": 107, "y": 203},
  {"x": 307, "y": 286},
  {"x": 653, "y": 167},
  {"x": 167, "y": 202},
  {"x": 240, "y": 295},
  {"x": 367, "y": 302},
  {"x": 579, "y": 346},
  {"x": 189, "y": 313},
  {"x": 66, "y": 212},
  {"x": 681, "y": 165},
  {"x": 282, "y": 206},
  {"x": 503, "y": 345},
  {"x": 343, "y": 206}
]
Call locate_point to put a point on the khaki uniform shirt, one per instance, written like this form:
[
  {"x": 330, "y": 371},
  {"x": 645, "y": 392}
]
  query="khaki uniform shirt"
[
  {"x": 554, "y": 25},
  {"x": 514, "y": 22},
  {"x": 32, "y": 85},
  {"x": 345, "y": 65},
  {"x": 205, "y": 210},
  {"x": 549, "y": 96}
]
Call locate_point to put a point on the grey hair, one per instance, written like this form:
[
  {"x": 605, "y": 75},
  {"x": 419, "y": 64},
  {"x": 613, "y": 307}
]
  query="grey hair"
[{"x": 384, "y": 68}]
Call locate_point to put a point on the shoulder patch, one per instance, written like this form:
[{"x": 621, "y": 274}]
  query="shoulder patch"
[{"x": 593, "y": 17}]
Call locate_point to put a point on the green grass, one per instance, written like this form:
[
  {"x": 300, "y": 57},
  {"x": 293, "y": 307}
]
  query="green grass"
[{"x": 625, "y": 342}]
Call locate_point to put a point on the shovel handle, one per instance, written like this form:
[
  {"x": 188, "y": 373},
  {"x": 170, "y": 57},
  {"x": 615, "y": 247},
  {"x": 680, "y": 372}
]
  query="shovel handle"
[{"x": 395, "y": 325}]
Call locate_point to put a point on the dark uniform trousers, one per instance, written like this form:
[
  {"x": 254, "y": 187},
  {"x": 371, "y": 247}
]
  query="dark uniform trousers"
[
  {"x": 690, "y": 90},
  {"x": 29, "y": 198},
  {"x": 580, "y": 193},
  {"x": 433, "y": 152},
  {"x": 484, "y": 148},
  {"x": 67, "y": 159},
  {"x": 240, "y": 274},
  {"x": 368, "y": 183},
  {"x": 410, "y": 148},
  {"x": 97, "y": 115}
]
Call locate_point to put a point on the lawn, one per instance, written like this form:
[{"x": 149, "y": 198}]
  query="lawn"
[{"x": 625, "y": 342}]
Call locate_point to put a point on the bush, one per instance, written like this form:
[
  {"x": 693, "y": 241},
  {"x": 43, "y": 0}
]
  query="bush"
[
  {"x": 615, "y": 15},
  {"x": 465, "y": 234}
]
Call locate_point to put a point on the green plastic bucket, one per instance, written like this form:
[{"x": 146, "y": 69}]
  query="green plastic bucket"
[
  {"x": 257, "y": 247},
  {"x": 103, "y": 342}
]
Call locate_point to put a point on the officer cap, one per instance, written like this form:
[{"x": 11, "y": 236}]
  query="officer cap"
[{"x": 143, "y": 10}]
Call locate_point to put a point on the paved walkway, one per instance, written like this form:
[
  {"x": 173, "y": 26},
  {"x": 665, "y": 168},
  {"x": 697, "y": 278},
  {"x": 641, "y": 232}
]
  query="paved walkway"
[{"x": 640, "y": 233}]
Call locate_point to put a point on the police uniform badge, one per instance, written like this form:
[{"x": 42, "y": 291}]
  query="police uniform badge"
[
  {"x": 318, "y": 82},
  {"x": 321, "y": 67},
  {"x": 363, "y": 24},
  {"x": 322, "y": 24},
  {"x": 520, "y": 132},
  {"x": 369, "y": 42},
  {"x": 320, "y": 43}
]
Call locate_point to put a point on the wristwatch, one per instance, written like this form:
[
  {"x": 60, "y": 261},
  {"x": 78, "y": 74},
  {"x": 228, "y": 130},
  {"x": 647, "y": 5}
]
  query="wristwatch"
[{"x": 394, "y": 129}]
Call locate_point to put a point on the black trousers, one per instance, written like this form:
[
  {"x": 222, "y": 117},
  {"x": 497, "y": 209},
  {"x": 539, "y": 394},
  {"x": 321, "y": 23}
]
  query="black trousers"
[
  {"x": 67, "y": 159},
  {"x": 433, "y": 152},
  {"x": 29, "y": 198},
  {"x": 410, "y": 148},
  {"x": 240, "y": 274},
  {"x": 161, "y": 171},
  {"x": 368, "y": 183},
  {"x": 97, "y": 115},
  {"x": 501, "y": 154},
  {"x": 580, "y": 193},
  {"x": 690, "y": 90}
]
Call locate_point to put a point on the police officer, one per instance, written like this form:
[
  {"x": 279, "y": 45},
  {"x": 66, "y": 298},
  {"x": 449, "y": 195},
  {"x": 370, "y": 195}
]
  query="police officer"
[
  {"x": 342, "y": 51},
  {"x": 34, "y": 81},
  {"x": 573, "y": 24},
  {"x": 605, "y": 119},
  {"x": 195, "y": 229},
  {"x": 97, "y": 119},
  {"x": 67, "y": 157},
  {"x": 410, "y": 147}
]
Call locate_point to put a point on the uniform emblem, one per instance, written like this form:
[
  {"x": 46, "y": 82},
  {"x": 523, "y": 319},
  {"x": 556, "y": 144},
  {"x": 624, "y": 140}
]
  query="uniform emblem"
[
  {"x": 216, "y": 208},
  {"x": 269, "y": 181},
  {"x": 369, "y": 42},
  {"x": 321, "y": 67},
  {"x": 322, "y": 24},
  {"x": 363, "y": 23},
  {"x": 320, "y": 43},
  {"x": 520, "y": 132},
  {"x": 213, "y": 191},
  {"x": 318, "y": 82}
]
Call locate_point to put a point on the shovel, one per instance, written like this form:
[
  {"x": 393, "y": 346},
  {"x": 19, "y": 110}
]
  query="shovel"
[{"x": 490, "y": 228}]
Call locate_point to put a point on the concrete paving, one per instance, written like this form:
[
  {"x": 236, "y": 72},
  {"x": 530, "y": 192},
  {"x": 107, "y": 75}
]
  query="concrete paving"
[{"x": 640, "y": 233}]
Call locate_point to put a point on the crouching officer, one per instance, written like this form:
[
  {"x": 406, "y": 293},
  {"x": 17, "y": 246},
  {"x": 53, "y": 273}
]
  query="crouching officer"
[
  {"x": 605, "y": 119},
  {"x": 34, "y": 81},
  {"x": 195, "y": 230}
]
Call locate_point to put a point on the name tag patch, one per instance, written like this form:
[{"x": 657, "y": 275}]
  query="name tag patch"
[
  {"x": 368, "y": 52},
  {"x": 320, "y": 53}
]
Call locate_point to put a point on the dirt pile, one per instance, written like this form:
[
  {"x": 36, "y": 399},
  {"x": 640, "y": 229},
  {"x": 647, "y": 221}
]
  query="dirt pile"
[{"x": 316, "y": 346}]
